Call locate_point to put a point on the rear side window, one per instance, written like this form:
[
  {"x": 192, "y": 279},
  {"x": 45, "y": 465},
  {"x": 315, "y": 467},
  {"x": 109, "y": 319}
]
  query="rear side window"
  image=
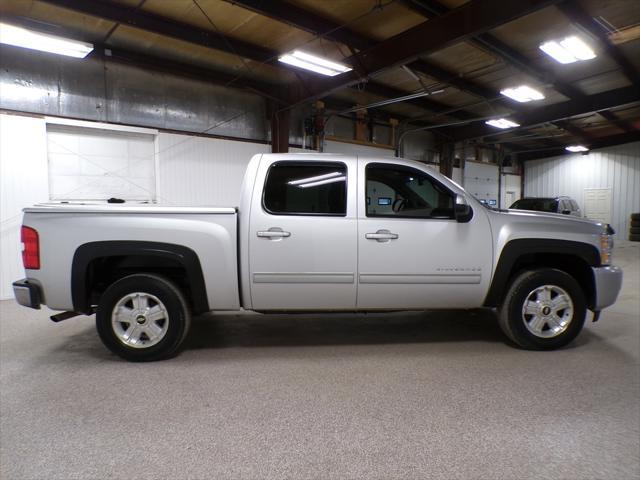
[
  {"x": 574, "y": 206},
  {"x": 306, "y": 189}
]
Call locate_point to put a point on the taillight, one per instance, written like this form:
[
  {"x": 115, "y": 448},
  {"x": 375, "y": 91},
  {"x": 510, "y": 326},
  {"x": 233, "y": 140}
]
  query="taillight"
[{"x": 30, "y": 248}]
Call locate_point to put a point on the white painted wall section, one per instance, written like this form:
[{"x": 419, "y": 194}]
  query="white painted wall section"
[
  {"x": 331, "y": 146},
  {"x": 23, "y": 182},
  {"x": 511, "y": 189}
]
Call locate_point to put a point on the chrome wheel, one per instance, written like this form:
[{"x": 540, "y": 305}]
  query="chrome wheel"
[
  {"x": 140, "y": 320},
  {"x": 547, "y": 311}
]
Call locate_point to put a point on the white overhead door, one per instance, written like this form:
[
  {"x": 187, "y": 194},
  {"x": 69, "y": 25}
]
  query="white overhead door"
[
  {"x": 96, "y": 164},
  {"x": 597, "y": 204},
  {"x": 481, "y": 181}
]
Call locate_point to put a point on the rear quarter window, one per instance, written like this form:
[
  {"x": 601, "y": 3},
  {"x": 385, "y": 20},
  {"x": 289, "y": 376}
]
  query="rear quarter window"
[{"x": 297, "y": 188}]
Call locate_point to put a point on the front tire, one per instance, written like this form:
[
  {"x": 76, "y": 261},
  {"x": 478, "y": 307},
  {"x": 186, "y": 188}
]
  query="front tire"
[
  {"x": 544, "y": 309},
  {"x": 143, "y": 318}
]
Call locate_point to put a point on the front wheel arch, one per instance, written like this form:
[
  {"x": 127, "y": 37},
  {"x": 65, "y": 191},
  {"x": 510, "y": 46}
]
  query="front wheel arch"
[{"x": 574, "y": 258}]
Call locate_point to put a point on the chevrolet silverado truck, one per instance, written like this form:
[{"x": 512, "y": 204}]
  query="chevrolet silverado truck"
[{"x": 322, "y": 233}]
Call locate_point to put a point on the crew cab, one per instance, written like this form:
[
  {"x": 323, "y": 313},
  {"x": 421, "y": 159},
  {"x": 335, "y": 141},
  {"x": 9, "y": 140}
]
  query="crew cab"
[{"x": 315, "y": 232}]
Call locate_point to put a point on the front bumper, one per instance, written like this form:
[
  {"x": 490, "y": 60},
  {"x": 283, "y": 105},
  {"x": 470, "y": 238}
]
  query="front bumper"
[
  {"x": 607, "y": 282},
  {"x": 27, "y": 294}
]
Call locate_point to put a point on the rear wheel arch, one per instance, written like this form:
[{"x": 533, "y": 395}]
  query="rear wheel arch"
[
  {"x": 573, "y": 258},
  {"x": 98, "y": 264}
]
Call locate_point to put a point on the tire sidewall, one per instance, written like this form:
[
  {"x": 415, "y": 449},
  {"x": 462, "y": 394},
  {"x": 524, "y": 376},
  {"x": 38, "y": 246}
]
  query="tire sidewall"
[
  {"x": 167, "y": 293},
  {"x": 520, "y": 290}
]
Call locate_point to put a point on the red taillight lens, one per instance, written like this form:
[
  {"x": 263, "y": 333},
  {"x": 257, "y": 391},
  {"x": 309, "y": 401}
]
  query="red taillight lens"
[{"x": 30, "y": 248}]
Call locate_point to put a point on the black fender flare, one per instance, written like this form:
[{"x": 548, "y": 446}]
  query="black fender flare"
[
  {"x": 515, "y": 250},
  {"x": 91, "y": 251}
]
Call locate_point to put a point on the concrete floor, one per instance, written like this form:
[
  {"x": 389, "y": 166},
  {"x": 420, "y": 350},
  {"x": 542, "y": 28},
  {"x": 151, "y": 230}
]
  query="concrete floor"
[{"x": 420, "y": 395}]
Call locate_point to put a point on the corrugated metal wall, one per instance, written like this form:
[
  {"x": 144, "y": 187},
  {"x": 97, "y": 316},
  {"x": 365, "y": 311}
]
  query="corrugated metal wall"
[
  {"x": 107, "y": 91},
  {"x": 616, "y": 167},
  {"x": 202, "y": 171}
]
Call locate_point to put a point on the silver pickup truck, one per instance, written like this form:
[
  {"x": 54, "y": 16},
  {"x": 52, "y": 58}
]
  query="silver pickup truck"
[{"x": 315, "y": 232}]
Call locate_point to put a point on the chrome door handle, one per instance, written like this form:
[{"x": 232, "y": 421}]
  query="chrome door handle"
[
  {"x": 274, "y": 232},
  {"x": 381, "y": 236}
]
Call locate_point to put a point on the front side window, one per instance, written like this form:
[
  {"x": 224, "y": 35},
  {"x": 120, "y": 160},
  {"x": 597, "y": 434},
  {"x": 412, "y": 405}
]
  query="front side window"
[
  {"x": 396, "y": 191},
  {"x": 306, "y": 189}
]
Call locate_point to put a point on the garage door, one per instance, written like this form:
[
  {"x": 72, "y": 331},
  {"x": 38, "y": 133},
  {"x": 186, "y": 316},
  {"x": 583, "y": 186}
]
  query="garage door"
[
  {"x": 481, "y": 181},
  {"x": 95, "y": 164}
]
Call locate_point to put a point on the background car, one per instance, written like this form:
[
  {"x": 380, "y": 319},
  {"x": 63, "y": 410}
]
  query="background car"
[{"x": 564, "y": 205}]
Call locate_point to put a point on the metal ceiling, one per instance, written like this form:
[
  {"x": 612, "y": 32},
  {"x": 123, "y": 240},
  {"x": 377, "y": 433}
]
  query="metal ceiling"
[{"x": 471, "y": 49}]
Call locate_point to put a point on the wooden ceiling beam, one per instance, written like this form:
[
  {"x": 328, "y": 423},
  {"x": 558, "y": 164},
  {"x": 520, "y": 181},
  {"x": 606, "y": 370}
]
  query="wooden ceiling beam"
[
  {"x": 559, "y": 111},
  {"x": 458, "y": 25}
]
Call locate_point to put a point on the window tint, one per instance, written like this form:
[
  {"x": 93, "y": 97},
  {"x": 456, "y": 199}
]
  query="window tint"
[
  {"x": 394, "y": 191},
  {"x": 306, "y": 189},
  {"x": 537, "y": 204}
]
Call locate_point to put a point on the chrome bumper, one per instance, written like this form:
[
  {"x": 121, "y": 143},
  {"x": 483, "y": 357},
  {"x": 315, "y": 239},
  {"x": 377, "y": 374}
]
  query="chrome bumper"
[
  {"x": 27, "y": 294},
  {"x": 607, "y": 281}
]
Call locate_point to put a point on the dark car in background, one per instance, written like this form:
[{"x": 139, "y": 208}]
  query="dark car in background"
[{"x": 564, "y": 205}]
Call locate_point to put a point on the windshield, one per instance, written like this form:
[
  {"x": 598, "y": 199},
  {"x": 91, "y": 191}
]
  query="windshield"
[{"x": 537, "y": 204}]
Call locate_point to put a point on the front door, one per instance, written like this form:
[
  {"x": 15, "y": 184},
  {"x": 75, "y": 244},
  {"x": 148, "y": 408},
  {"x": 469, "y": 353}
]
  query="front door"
[
  {"x": 412, "y": 252},
  {"x": 303, "y": 237}
]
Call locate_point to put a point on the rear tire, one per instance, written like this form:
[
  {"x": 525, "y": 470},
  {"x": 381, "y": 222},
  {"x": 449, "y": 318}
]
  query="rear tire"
[
  {"x": 143, "y": 318},
  {"x": 544, "y": 309}
]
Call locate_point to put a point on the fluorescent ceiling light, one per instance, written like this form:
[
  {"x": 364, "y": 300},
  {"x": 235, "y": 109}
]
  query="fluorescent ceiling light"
[
  {"x": 502, "y": 123},
  {"x": 522, "y": 94},
  {"x": 315, "y": 64},
  {"x": 576, "y": 148},
  {"x": 21, "y": 37},
  {"x": 569, "y": 50}
]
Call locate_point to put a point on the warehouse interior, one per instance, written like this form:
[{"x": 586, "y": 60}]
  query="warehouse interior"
[{"x": 169, "y": 101}]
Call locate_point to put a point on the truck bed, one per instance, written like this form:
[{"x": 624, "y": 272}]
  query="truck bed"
[
  {"x": 151, "y": 208},
  {"x": 209, "y": 232}
]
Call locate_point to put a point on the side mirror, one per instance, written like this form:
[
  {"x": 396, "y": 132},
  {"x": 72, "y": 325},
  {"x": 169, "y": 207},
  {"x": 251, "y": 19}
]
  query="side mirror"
[{"x": 462, "y": 210}]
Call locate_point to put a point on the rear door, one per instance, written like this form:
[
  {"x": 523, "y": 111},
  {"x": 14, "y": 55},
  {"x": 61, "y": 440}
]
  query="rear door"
[{"x": 303, "y": 236}]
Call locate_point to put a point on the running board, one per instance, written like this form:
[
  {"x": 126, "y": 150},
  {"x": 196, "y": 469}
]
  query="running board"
[{"x": 63, "y": 316}]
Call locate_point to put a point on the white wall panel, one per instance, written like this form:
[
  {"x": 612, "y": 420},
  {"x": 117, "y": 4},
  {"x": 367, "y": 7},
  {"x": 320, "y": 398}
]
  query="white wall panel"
[
  {"x": 23, "y": 182},
  {"x": 456, "y": 176},
  {"x": 511, "y": 189},
  {"x": 616, "y": 167},
  {"x": 202, "y": 171}
]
